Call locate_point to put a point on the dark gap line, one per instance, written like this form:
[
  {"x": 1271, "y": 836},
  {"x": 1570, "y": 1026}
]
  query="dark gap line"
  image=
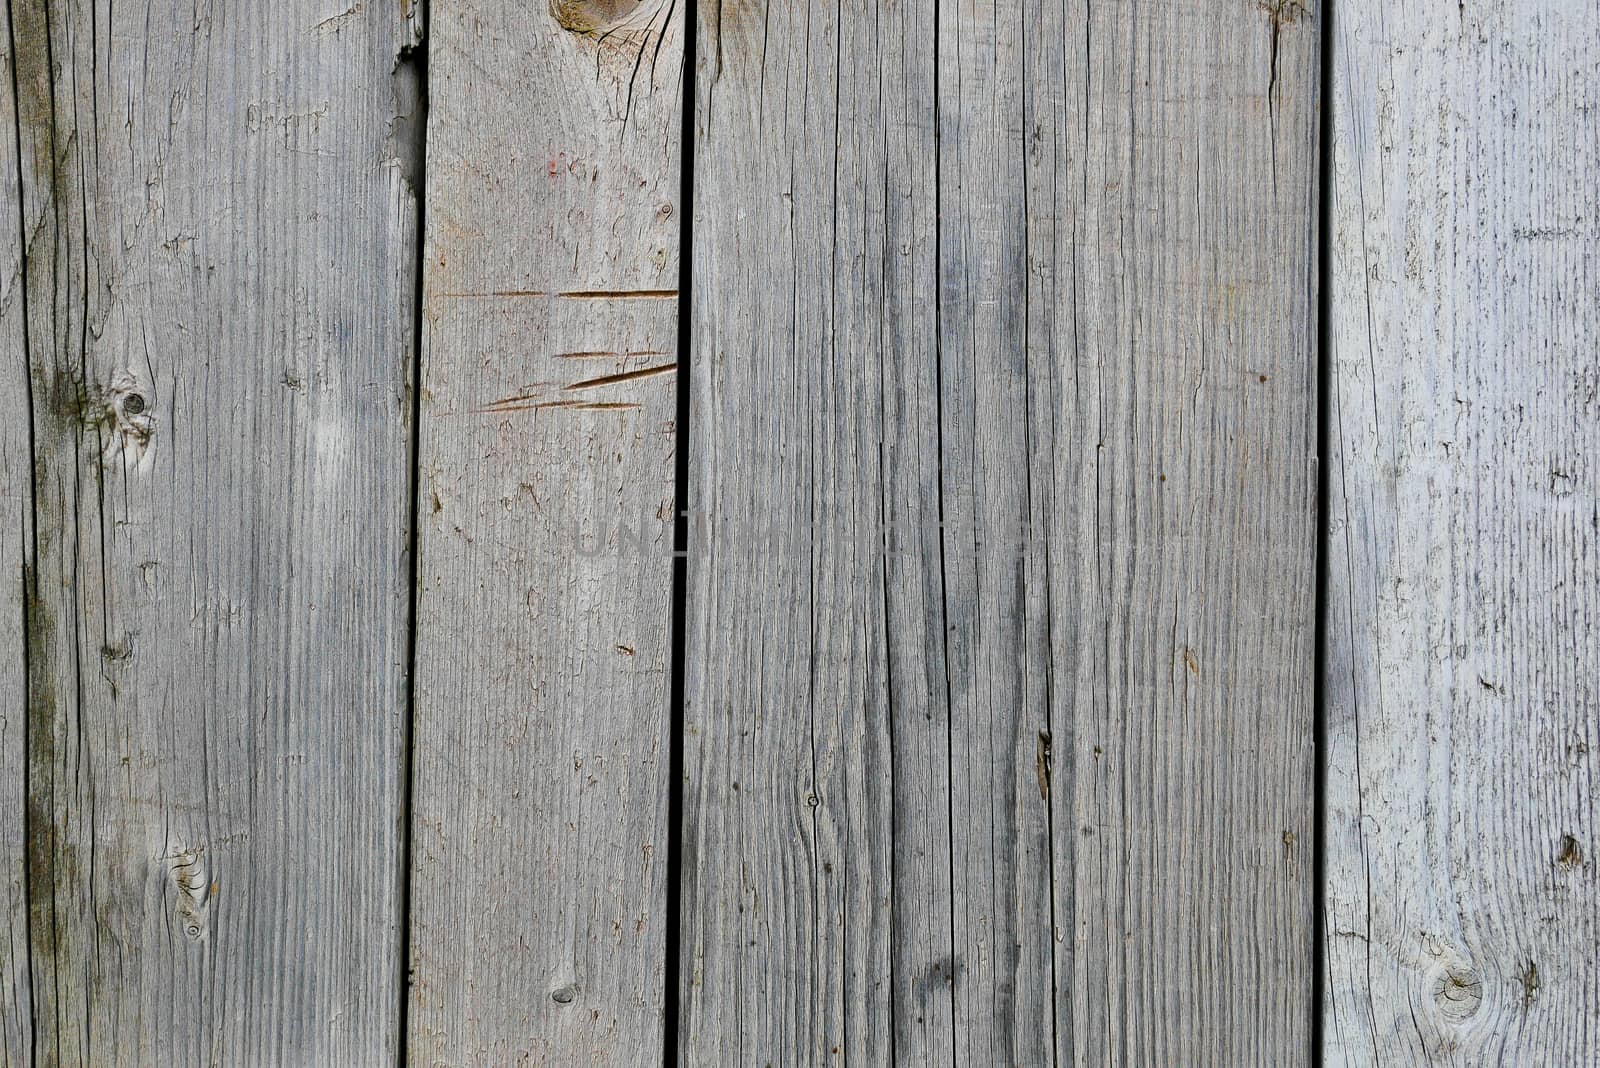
[
  {"x": 672, "y": 1024},
  {"x": 944, "y": 570},
  {"x": 30, "y": 547},
  {"x": 416, "y": 58},
  {"x": 884, "y": 564},
  {"x": 1319, "y": 698}
]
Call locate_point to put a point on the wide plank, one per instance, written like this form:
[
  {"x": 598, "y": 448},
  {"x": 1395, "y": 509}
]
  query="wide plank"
[
  {"x": 1463, "y": 911},
  {"x": 999, "y": 727},
  {"x": 1128, "y": 309},
  {"x": 545, "y": 558},
  {"x": 215, "y": 296}
]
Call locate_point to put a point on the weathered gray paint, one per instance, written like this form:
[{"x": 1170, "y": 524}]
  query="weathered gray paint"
[
  {"x": 1463, "y": 910},
  {"x": 1036, "y": 785},
  {"x": 550, "y": 330},
  {"x": 216, "y": 297}
]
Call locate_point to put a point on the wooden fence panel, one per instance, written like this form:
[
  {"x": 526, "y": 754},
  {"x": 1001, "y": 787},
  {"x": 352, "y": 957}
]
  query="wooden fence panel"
[
  {"x": 1000, "y": 601},
  {"x": 215, "y": 288},
  {"x": 546, "y": 503},
  {"x": 1464, "y": 580}
]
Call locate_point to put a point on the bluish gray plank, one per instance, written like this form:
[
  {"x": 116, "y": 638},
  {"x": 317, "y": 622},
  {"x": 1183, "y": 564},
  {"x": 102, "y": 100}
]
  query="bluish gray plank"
[{"x": 1463, "y": 586}]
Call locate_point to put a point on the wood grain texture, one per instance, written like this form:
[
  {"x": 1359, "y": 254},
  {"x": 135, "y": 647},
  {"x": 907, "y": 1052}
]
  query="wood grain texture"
[
  {"x": 1463, "y": 911},
  {"x": 816, "y": 838},
  {"x": 16, "y": 521},
  {"x": 547, "y": 464},
  {"x": 218, "y": 252},
  {"x": 1001, "y": 582}
]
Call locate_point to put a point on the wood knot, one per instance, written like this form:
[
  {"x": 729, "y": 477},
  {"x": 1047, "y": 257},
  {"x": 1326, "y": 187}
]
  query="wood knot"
[
  {"x": 1458, "y": 993},
  {"x": 194, "y": 890},
  {"x": 1283, "y": 12},
  {"x": 565, "y": 994},
  {"x": 126, "y": 423},
  {"x": 592, "y": 16},
  {"x": 1571, "y": 855}
]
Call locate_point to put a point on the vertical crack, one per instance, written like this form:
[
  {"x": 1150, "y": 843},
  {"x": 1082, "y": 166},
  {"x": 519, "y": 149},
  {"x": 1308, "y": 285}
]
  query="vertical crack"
[
  {"x": 28, "y": 581},
  {"x": 410, "y": 135},
  {"x": 674, "y": 979},
  {"x": 1324, "y": 376},
  {"x": 944, "y": 571},
  {"x": 38, "y": 111}
]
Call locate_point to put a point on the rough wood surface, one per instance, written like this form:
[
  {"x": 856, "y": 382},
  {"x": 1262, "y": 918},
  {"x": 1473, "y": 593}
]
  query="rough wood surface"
[
  {"x": 215, "y": 291},
  {"x": 1463, "y": 909},
  {"x": 546, "y": 499},
  {"x": 16, "y": 519},
  {"x": 1034, "y": 785},
  {"x": 816, "y": 843}
]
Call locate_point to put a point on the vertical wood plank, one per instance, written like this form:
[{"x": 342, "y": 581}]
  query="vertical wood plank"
[
  {"x": 1017, "y": 566},
  {"x": 544, "y": 600},
  {"x": 1128, "y": 197},
  {"x": 1464, "y": 589},
  {"x": 218, "y": 241},
  {"x": 816, "y": 732},
  {"x": 16, "y": 519}
]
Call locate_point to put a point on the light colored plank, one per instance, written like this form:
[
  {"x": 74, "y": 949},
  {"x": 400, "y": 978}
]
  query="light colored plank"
[
  {"x": 217, "y": 286},
  {"x": 1463, "y": 911},
  {"x": 816, "y": 841},
  {"x": 1109, "y": 644},
  {"x": 16, "y": 520},
  {"x": 543, "y": 652}
]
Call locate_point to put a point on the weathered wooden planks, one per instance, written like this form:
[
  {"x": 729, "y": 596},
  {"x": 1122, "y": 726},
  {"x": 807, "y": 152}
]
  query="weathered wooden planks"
[
  {"x": 16, "y": 519},
  {"x": 212, "y": 324},
  {"x": 1464, "y": 581},
  {"x": 546, "y": 498},
  {"x": 1073, "y": 723}
]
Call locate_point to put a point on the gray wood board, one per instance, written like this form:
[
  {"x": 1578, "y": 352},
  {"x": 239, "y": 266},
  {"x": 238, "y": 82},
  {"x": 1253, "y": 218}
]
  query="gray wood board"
[
  {"x": 546, "y": 504},
  {"x": 1034, "y": 784},
  {"x": 216, "y": 297},
  {"x": 1463, "y": 911}
]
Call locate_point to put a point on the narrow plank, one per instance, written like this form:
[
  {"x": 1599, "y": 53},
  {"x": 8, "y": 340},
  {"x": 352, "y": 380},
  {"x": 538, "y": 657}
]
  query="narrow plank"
[
  {"x": 1081, "y": 706},
  {"x": 16, "y": 519},
  {"x": 215, "y": 297},
  {"x": 1463, "y": 911},
  {"x": 544, "y": 598},
  {"x": 816, "y": 834}
]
